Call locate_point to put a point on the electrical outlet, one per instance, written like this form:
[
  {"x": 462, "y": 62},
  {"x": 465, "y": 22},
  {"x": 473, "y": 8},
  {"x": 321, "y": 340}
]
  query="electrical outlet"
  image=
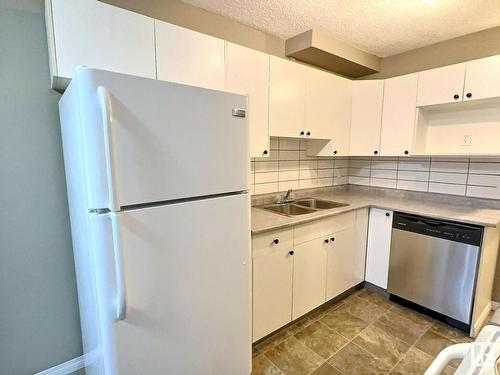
[{"x": 466, "y": 139}]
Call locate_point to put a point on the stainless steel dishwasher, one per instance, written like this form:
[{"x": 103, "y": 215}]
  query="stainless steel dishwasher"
[{"x": 433, "y": 263}]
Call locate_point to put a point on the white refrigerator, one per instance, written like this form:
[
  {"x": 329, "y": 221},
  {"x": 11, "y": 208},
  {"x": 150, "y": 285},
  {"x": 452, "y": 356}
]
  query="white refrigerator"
[{"x": 157, "y": 187}]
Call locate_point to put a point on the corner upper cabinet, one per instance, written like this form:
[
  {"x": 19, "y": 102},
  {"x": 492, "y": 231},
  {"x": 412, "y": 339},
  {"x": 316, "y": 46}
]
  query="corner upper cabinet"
[
  {"x": 287, "y": 87},
  {"x": 366, "y": 119},
  {"x": 398, "y": 118},
  {"x": 482, "y": 78},
  {"x": 328, "y": 113},
  {"x": 247, "y": 72},
  {"x": 188, "y": 57},
  {"x": 97, "y": 35},
  {"x": 441, "y": 85}
]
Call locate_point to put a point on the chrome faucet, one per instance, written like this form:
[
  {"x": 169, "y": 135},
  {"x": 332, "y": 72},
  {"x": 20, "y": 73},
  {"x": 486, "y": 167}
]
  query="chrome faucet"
[{"x": 286, "y": 198}]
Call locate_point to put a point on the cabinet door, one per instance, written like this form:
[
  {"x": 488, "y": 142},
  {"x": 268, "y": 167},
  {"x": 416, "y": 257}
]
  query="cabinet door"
[
  {"x": 286, "y": 98},
  {"x": 272, "y": 282},
  {"x": 366, "y": 117},
  {"x": 332, "y": 101},
  {"x": 99, "y": 35},
  {"x": 360, "y": 240},
  {"x": 247, "y": 72},
  {"x": 188, "y": 57},
  {"x": 309, "y": 275},
  {"x": 482, "y": 78},
  {"x": 441, "y": 85},
  {"x": 398, "y": 118},
  {"x": 378, "y": 247},
  {"x": 340, "y": 263}
]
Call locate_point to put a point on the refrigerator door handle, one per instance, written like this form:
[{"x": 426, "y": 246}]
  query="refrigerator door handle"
[
  {"x": 107, "y": 119},
  {"x": 121, "y": 305}
]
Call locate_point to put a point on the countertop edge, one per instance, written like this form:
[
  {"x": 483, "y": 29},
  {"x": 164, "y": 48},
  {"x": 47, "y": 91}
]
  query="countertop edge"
[{"x": 355, "y": 207}]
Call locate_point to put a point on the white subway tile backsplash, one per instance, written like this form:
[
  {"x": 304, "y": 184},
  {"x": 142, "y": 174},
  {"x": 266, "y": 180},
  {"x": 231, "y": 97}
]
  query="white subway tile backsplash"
[
  {"x": 483, "y": 192},
  {"x": 288, "y": 167},
  {"x": 436, "y": 187},
  {"x": 413, "y": 175},
  {"x": 412, "y": 185},
  {"x": 444, "y": 166},
  {"x": 265, "y": 177},
  {"x": 288, "y": 175},
  {"x": 384, "y": 173},
  {"x": 265, "y": 166},
  {"x": 449, "y": 178}
]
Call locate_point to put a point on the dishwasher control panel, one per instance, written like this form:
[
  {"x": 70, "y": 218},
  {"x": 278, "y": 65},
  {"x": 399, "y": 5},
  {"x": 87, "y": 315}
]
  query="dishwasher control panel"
[{"x": 448, "y": 230}]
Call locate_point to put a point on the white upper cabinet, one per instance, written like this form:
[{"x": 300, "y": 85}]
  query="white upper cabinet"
[
  {"x": 398, "y": 118},
  {"x": 366, "y": 117},
  {"x": 287, "y": 98},
  {"x": 247, "y": 72},
  {"x": 328, "y": 112},
  {"x": 482, "y": 78},
  {"x": 441, "y": 85},
  {"x": 188, "y": 57},
  {"x": 97, "y": 35}
]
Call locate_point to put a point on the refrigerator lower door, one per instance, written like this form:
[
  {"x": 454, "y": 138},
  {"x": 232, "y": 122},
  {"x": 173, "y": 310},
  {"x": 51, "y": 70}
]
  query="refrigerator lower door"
[
  {"x": 157, "y": 141},
  {"x": 186, "y": 269}
]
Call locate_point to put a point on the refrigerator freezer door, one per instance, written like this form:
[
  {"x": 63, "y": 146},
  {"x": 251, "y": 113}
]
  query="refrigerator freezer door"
[
  {"x": 187, "y": 286},
  {"x": 164, "y": 141}
]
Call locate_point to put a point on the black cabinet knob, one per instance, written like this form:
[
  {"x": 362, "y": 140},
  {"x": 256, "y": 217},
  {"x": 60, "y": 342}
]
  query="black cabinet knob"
[
  {"x": 469, "y": 95},
  {"x": 375, "y": 152},
  {"x": 335, "y": 152},
  {"x": 302, "y": 132},
  {"x": 456, "y": 96},
  {"x": 276, "y": 241},
  {"x": 290, "y": 252},
  {"x": 387, "y": 214},
  {"x": 308, "y": 133},
  {"x": 327, "y": 240},
  {"x": 406, "y": 152},
  {"x": 332, "y": 239},
  {"x": 265, "y": 152}
]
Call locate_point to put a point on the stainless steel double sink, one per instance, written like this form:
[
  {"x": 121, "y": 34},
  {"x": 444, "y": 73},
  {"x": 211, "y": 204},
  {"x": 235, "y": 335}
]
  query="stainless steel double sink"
[{"x": 302, "y": 206}]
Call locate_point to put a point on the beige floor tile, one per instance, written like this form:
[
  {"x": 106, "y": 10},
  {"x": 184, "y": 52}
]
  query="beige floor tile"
[
  {"x": 326, "y": 369},
  {"x": 405, "y": 329},
  {"x": 450, "y": 332},
  {"x": 352, "y": 359},
  {"x": 261, "y": 365},
  {"x": 432, "y": 343},
  {"x": 321, "y": 339},
  {"x": 414, "y": 362},
  {"x": 294, "y": 358},
  {"x": 344, "y": 323},
  {"x": 363, "y": 309},
  {"x": 375, "y": 298},
  {"x": 412, "y": 315},
  {"x": 382, "y": 345}
]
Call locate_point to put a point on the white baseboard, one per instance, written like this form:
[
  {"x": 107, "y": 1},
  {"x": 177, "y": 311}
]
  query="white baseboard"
[{"x": 64, "y": 368}]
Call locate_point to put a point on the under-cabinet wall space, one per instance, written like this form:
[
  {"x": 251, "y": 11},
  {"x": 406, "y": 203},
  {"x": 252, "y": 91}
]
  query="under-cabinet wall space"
[{"x": 289, "y": 167}]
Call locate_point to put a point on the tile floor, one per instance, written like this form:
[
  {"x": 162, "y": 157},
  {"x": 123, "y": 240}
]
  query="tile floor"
[{"x": 364, "y": 333}]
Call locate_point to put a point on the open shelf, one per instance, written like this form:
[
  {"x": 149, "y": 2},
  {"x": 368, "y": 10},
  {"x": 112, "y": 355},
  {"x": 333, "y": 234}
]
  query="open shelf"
[{"x": 440, "y": 129}]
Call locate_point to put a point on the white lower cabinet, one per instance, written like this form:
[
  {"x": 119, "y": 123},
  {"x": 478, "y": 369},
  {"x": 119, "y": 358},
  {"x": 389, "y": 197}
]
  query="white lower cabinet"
[
  {"x": 378, "y": 247},
  {"x": 296, "y": 270},
  {"x": 309, "y": 275},
  {"x": 272, "y": 281}
]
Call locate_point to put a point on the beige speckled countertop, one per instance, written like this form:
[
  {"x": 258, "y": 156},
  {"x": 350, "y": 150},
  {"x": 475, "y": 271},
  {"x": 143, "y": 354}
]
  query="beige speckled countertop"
[{"x": 467, "y": 210}]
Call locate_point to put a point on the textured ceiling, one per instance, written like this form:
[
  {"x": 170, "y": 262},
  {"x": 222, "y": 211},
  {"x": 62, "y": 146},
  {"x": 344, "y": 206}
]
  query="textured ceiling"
[{"x": 381, "y": 27}]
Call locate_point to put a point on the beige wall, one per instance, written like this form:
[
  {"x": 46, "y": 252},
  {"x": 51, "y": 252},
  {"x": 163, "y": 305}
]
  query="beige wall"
[
  {"x": 468, "y": 47},
  {"x": 197, "y": 19}
]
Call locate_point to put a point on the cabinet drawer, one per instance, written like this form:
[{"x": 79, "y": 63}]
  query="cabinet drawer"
[
  {"x": 324, "y": 227},
  {"x": 263, "y": 244}
]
